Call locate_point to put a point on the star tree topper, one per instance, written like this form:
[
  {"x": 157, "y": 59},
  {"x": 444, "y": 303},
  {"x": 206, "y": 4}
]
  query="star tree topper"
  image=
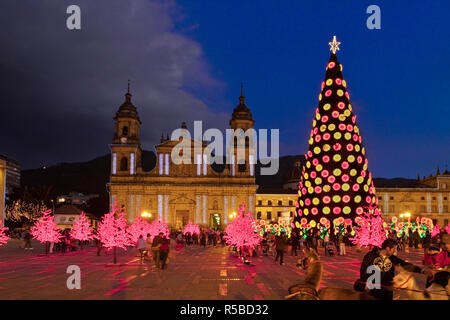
[{"x": 334, "y": 45}]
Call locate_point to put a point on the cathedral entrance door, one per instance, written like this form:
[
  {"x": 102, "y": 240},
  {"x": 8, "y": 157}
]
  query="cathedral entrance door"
[
  {"x": 215, "y": 221},
  {"x": 182, "y": 218}
]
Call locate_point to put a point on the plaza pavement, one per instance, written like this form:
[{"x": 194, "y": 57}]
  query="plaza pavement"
[{"x": 193, "y": 273}]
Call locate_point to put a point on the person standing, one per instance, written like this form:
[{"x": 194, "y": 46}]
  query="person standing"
[
  {"x": 155, "y": 248},
  {"x": 294, "y": 242},
  {"x": 341, "y": 244},
  {"x": 164, "y": 251},
  {"x": 203, "y": 239},
  {"x": 326, "y": 240},
  {"x": 142, "y": 247},
  {"x": 385, "y": 260},
  {"x": 280, "y": 246},
  {"x": 27, "y": 238}
]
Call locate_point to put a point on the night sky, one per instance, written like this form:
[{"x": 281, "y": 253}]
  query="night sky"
[{"x": 186, "y": 60}]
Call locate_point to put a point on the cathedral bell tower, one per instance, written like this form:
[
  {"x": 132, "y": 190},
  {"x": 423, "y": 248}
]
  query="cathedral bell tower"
[
  {"x": 242, "y": 154},
  {"x": 126, "y": 152}
]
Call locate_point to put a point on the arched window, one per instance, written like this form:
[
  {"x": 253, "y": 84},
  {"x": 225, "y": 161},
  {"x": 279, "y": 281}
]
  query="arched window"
[
  {"x": 124, "y": 164},
  {"x": 125, "y": 131}
]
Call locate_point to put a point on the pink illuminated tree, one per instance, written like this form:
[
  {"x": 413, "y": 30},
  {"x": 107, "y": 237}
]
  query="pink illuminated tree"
[
  {"x": 82, "y": 229},
  {"x": 112, "y": 231},
  {"x": 371, "y": 230},
  {"x": 447, "y": 228},
  {"x": 45, "y": 229},
  {"x": 191, "y": 228},
  {"x": 3, "y": 236},
  {"x": 157, "y": 227},
  {"x": 436, "y": 230},
  {"x": 242, "y": 231},
  {"x": 139, "y": 227}
]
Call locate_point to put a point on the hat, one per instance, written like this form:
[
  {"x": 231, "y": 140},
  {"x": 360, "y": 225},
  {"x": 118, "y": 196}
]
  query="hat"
[{"x": 445, "y": 238}]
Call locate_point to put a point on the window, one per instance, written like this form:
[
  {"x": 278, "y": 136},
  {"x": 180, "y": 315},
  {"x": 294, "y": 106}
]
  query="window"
[
  {"x": 161, "y": 163},
  {"x": 132, "y": 163},
  {"x": 114, "y": 164},
  {"x": 422, "y": 198},
  {"x": 199, "y": 164},
  {"x": 291, "y": 214},
  {"x": 269, "y": 215},
  {"x": 391, "y": 198},
  {"x": 434, "y": 209},
  {"x": 269, "y": 203},
  {"x": 166, "y": 171},
  {"x": 291, "y": 203},
  {"x": 434, "y": 198},
  {"x": 259, "y": 202},
  {"x": 445, "y": 209},
  {"x": 258, "y": 215},
  {"x": 125, "y": 131},
  {"x": 279, "y": 214},
  {"x": 280, "y": 202},
  {"x": 379, "y": 198},
  {"x": 124, "y": 164},
  {"x": 445, "y": 198},
  {"x": 242, "y": 167}
]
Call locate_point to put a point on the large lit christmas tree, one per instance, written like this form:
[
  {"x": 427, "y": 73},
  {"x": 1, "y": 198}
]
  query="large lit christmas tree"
[{"x": 335, "y": 180}]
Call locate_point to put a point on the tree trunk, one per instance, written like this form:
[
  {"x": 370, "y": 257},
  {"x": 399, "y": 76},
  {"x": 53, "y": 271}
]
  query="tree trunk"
[
  {"x": 46, "y": 247},
  {"x": 115, "y": 256}
]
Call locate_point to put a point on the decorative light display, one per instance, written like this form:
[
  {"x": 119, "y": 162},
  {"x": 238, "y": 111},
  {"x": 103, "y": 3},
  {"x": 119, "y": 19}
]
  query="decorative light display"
[
  {"x": 81, "y": 229},
  {"x": 277, "y": 229},
  {"x": 242, "y": 231},
  {"x": 447, "y": 228},
  {"x": 112, "y": 231},
  {"x": 139, "y": 227},
  {"x": 3, "y": 236},
  {"x": 157, "y": 227},
  {"x": 191, "y": 228},
  {"x": 371, "y": 229},
  {"x": 45, "y": 229},
  {"x": 335, "y": 180}
]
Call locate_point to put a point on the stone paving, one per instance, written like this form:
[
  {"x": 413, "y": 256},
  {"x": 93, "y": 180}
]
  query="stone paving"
[{"x": 211, "y": 273}]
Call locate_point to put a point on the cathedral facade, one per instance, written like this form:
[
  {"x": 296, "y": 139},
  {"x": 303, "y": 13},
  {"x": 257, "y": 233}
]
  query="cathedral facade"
[{"x": 178, "y": 193}]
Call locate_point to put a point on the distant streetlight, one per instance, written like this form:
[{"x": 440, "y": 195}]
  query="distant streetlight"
[{"x": 146, "y": 214}]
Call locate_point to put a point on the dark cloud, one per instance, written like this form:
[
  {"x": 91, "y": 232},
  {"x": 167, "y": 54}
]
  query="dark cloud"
[{"x": 61, "y": 88}]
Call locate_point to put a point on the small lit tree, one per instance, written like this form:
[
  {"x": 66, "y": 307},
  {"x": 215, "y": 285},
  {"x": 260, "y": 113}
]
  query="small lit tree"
[
  {"x": 191, "y": 228},
  {"x": 371, "y": 230},
  {"x": 139, "y": 227},
  {"x": 112, "y": 231},
  {"x": 45, "y": 229},
  {"x": 157, "y": 227},
  {"x": 243, "y": 231},
  {"x": 82, "y": 229},
  {"x": 436, "y": 230},
  {"x": 3, "y": 236}
]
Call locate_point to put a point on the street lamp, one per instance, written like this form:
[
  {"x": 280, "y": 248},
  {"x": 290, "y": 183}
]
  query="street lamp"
[
  {"x": 146, "y": 214},
  {"x": 232, "y": 215}
]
